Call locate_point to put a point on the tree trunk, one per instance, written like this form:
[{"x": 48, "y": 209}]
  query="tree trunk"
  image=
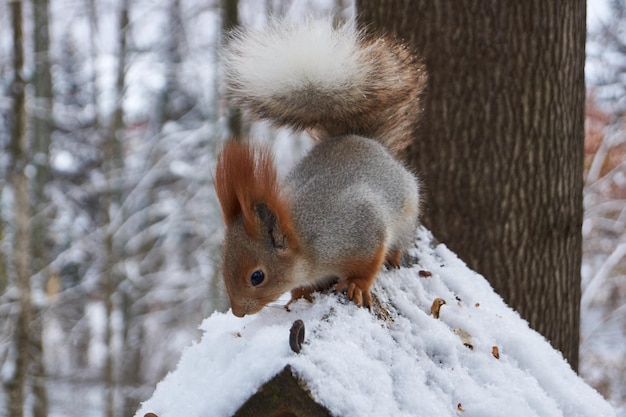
[
  {"x": 42, "y": 132},
  {"x": 113, "y": 165},
  {"x": 94, "y": 34},
  {"x": 4, "y": 266},
  {"x": 500, "y": 146},
  {"x": 131, "y": 371},
  {"x": 41, "y": 128},
  {"x": 16, "y": 383},
  {"x": 230, "y": 20}
]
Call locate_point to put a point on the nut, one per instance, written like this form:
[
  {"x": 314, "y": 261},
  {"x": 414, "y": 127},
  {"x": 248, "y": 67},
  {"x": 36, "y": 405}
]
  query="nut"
[
  {"x": 495, "y": 352},
  {"x": 296, "y": 336},
  {"x": 434, "y": 309}
]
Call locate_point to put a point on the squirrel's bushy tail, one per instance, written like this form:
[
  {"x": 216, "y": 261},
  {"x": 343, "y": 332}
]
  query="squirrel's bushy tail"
[{"x": 329, "y": 81}]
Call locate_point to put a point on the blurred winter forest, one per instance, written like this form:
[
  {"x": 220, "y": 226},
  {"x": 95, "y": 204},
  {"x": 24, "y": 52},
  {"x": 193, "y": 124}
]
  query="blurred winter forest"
[
  {"x": 603, "y": 301},
  {"x": 109, "y": 227}
]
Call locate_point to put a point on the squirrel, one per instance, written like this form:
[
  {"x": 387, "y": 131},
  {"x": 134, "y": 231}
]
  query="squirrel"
[{"x": 349, "y": 206}]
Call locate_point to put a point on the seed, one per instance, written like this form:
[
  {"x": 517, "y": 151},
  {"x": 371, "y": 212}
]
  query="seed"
[
  {"x": 296, "y": 336},
  {"x": 495, "y": 352},
  {"x": 434, "y": 309}
]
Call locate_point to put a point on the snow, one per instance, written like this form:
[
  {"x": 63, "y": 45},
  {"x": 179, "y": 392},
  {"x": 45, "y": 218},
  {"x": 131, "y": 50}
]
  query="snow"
[
  {"x": 64, "y": 161},
  {"x": 408, "y": 363},
  {"x": 598, "y": 12}
]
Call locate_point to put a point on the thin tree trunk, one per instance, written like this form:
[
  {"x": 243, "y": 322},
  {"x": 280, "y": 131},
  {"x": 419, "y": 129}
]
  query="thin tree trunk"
[
  {"x": 500, "y": 146},
  {"x": 21, "y": 253},
  {"x": 230, "y": 20},
  {"x": 40, "y": 392},
  {"x": 41, "y": 123},
  {"x": 110, "y": 286},
  {"x": 113, "y": 164},
  {"x": 94, "y": 33},
  {"x": 131, "y": 372},
  {"x": 16, "y": 384},
  {"x": 4, "y": 266}
]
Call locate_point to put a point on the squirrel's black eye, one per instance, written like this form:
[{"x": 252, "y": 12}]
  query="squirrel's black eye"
[{"x": 257, "y": 277}]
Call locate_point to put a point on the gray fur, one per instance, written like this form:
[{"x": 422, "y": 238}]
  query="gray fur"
[{"x": 348, "y": 196}]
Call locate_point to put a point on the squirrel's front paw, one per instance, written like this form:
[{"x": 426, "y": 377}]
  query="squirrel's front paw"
[
  {"x": 355, "y": 291},
  {"x": 298, "y": 294}
]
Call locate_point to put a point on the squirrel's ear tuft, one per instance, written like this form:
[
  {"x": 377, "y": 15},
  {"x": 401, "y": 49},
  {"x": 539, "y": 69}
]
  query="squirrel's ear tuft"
[
  {"x": 235, "y": 166},
  {"x": 247, "y": 185},
  {"x": 238, "y": 184}
]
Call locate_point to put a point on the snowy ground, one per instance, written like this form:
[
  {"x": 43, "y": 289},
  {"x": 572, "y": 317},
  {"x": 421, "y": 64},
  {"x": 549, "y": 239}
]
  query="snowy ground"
[{"x": 399, "y": 362}]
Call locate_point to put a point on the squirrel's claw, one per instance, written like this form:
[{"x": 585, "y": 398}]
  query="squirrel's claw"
[
  {"x": 393, "y": 259},
  {"x": 355, "y": 292}
]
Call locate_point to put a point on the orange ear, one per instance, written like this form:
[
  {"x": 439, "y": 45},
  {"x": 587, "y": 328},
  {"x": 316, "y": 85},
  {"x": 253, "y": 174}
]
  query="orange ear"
[
  {"x": 246, "y": 178},
  {"x": 235, "y": 166}
]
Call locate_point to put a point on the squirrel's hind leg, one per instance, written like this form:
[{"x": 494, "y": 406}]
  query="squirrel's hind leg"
[
  {"x": 393, "y": 259},
  {"x": 360, "y": 274}
]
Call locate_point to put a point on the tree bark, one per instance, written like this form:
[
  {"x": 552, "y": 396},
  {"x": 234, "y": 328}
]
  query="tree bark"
[
  {"x": 500, "y": 146},
  {"x": 113, "y": 166},
  {"x": 230, "y": 21},
  {"x": 16, "y": 384},
  {"x": 42, "y": 133},
  {"x": 4, "y": 266}
]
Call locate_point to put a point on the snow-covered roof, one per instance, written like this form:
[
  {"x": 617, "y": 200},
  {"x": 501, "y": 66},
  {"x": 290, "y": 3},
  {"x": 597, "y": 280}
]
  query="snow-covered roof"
[{"x": 479, "y": 358}]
